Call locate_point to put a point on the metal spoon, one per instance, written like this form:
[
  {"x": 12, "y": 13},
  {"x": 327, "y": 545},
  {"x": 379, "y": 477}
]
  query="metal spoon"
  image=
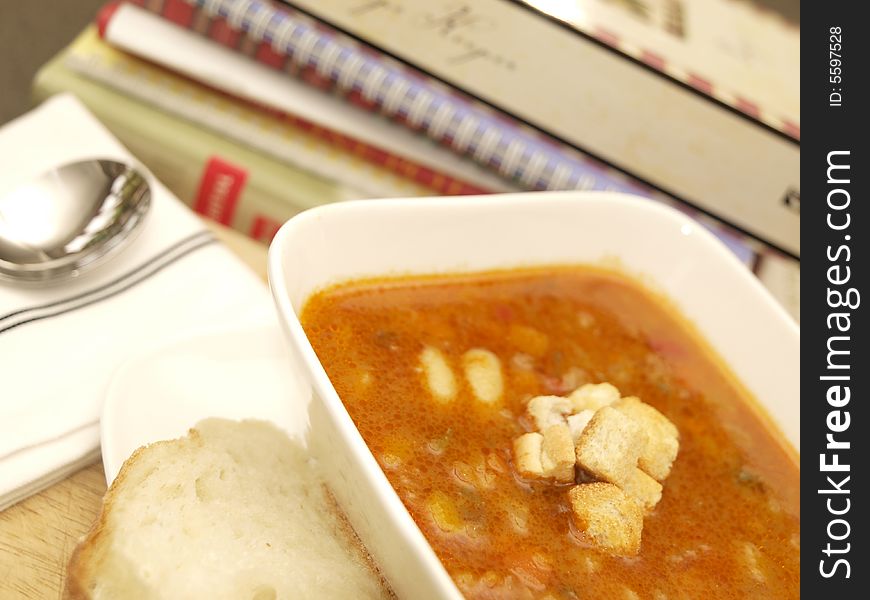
[{"x": 67, "y": 219}]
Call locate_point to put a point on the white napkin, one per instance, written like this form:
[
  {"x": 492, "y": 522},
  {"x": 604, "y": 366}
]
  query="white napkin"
[{"x": 59, "y": 345}]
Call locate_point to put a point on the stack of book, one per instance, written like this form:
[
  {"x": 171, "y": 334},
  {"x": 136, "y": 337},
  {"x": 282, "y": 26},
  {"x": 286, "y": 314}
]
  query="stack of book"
[{"x": 251, "y": 111}]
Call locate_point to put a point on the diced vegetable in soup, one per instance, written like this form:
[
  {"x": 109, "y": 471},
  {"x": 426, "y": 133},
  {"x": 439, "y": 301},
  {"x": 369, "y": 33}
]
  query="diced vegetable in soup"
[{"x": 438, "y": 374}]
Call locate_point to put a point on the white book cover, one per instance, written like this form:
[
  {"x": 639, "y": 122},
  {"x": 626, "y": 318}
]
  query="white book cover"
[
  {"x": 736, "y": 51},
  {"x": 697, "y": 99}
]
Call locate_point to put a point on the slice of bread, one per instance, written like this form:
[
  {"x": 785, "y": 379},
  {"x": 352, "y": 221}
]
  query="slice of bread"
[{"x": 233, "y": 510}]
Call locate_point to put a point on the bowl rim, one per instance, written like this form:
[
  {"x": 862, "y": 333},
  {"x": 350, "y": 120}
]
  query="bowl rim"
[{"x": 660, "y": 210}]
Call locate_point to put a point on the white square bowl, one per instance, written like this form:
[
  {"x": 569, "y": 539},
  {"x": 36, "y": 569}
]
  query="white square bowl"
[{"x": 669, "y": 252}]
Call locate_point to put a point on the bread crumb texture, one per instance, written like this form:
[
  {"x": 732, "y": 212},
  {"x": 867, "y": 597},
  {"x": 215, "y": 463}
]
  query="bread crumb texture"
[
  {"x": 234, "y": 510},
  {"x": 618, "y": 451},
  {"x": 607, "y": 517}
]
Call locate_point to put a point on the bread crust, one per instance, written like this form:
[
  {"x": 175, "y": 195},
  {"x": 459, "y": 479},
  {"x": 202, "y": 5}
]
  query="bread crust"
[
  {"x": 232, "y": 510},
  {"x": 87, "y": 557}
]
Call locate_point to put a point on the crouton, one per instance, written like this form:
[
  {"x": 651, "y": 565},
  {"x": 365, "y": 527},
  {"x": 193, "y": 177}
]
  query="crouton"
[
  {"x": 557, "y": 453},
  {"x": 664, "y": 439},
  {"x": 604, "y": 515},
  {"x": 643, "y": 489},
  {"x": 547, "y": 454},
  {"x": 577, "y": 423},
  {"x": 483, "y": 372},
  {"x": 610, "y": 445},
  {"x": 527, "y": 454},
  {"x": 439, "y": 376},
  {"x": 545, "y": 411},
  {"x": 593, "y": 396}
]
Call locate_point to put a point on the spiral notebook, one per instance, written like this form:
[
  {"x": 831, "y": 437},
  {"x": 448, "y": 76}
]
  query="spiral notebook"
[{"x": 309, "y": 49}]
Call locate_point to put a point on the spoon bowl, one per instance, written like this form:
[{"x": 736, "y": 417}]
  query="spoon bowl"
[{"x": 69, "y": 218}]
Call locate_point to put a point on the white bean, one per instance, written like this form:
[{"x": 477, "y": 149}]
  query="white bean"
[
  {"x": 483, "y": 372},
  {"x": 439, "y": 376}
]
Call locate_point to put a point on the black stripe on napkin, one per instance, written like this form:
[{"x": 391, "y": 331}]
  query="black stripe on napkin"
[
  {"x": 150, "y": 261},
  {"x": 121, "y": 284}
]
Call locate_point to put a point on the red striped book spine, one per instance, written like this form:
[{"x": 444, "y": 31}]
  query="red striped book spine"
[{"x": 220, "y": 31}]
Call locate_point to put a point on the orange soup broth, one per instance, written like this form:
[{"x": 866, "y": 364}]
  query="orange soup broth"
[{"x": 728, "y": 523}]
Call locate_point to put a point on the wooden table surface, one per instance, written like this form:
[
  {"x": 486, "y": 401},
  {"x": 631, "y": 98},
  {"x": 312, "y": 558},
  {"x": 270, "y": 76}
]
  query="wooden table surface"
[{"x": 37, "y": 535}]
